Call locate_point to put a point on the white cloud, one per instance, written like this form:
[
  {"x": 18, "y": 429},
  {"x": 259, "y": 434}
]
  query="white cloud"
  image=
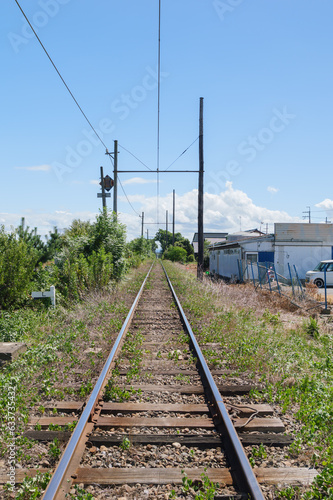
[
  {"x": 326, "y": 204},
  {"x": 139, "y": 180},
  {"x": 37, "y": 168},
  {"x": 272, "y": 189},
  {"x": 45, "y": 222},
  {"x": 222, "y": 212},
  {"x": 94, "y": 182}
]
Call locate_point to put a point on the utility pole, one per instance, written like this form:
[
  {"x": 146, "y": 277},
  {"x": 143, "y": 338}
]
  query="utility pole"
[
  {"x": 166, "y": 229},
  {"x": 200, "y": 197},
  {"x": 147, "y": 235},
  {"x": 115, "y": 174},
  {"x": 142, "y": 223},
  {"x": 115, "y": 177},
  {"x": 173, "y": 217},
  {"x": 308, "y": 214}
]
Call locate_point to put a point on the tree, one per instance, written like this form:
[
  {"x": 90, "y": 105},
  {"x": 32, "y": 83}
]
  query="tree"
[
  {"x": 31, "y": 238},
  {"x": 176, "y": 254},
  {"x": 185, "y": 243},
  {"x": 142, "y": 246},
  {"x": 165, "y": 240},
  {"x": 18, "y": 259}
]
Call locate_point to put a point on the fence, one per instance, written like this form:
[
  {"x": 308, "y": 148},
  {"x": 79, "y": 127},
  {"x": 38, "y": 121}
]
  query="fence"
[{"x": 263, "y": 275}]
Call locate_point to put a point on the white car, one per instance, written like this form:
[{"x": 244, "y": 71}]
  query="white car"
[{"x": 317, "y": 275}]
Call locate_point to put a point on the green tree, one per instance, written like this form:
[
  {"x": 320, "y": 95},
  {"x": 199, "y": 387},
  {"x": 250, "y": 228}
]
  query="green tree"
[
  {"x": 165, "y": 239},
  {"x": 18, "y": 259},
  {"x": 31, "y": 238},
  {"x": 176, "y": 254},
  {"x": 54, "y": 242},
  {"x": 185, "y": 243}
]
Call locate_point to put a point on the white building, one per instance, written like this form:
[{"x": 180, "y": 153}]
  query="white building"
[{"x": 297, "y": 244}]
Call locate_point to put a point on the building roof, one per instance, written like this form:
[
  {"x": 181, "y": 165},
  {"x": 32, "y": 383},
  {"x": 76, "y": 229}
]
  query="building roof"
[
  {"x": 209, "y": 236},
  {"x": 240, "y": 241}
]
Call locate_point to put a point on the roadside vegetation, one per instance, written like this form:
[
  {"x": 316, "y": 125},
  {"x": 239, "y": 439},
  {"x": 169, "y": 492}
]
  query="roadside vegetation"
[
  {"x": 96, "y": 275},
  {"x": 177, "y": 248},
  {"x": 288, "y": 355}
]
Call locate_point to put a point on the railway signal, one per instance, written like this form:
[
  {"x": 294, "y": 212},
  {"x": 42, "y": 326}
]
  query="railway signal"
[{"x": 106, "y": 184}]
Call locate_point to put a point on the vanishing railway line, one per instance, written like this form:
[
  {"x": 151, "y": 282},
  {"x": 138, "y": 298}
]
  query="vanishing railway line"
[{"x": 155, "y": 424}]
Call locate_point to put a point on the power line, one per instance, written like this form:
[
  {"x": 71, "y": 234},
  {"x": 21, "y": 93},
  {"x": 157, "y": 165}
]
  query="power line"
[
  {"x": 63, "y": 81},
  {"x": 138, "y": 159},
  {"x": 137, "y": 213},
  {"x": 182, "y": 153},
  {"x": 158, "y": 110}
]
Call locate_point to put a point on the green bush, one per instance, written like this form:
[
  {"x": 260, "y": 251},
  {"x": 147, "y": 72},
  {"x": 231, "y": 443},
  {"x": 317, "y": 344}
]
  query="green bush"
[
  {"x": 18, "y": 260},
  {"x": 176, "y": 254}
]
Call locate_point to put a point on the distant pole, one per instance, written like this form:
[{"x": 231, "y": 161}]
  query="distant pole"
[
  {"x": 115, "y": 177},
  {"x": 103, "y": 191},
  {"x": 200, "y": 197},
  {"x": 173, "y": 217},
  {"x": 147, "y": 235},
  {"x": 142, "y": 223},
  {"x": 166, "y": 228}
]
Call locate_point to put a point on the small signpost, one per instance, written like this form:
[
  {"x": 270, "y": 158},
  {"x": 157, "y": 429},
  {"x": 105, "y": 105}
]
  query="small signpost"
[
  {"x": 43, "y": 295},
  {"x": 106, "y": 184}
]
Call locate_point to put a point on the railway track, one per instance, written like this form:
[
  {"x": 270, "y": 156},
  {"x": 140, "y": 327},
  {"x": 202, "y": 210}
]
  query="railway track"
[{"x": 155, "y": 425}]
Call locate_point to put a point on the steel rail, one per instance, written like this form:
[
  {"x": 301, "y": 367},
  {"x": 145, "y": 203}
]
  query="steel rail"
[
  {"x": 243, "y": 471},
  {"x": 59, "y": 475}
]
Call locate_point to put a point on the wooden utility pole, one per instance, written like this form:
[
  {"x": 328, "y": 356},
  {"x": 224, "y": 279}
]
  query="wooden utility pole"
[
  {"x": 142, "y": 223},
  {"x": 173, "y": 217},
  {"x": 200, "y": 197},
  {"x": 115, "y": 177}
]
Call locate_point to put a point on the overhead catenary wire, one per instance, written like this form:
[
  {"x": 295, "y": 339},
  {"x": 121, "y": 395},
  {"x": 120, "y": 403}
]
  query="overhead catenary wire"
[
  {"x": 137, "y": 213},
  {"x": 138, "y": 159},
  {"x": 111, "y": 160},
  {"x": 185, "y": 150},
  {"x": 58, "y": 72},
  {"x": 158, "y": 111}
]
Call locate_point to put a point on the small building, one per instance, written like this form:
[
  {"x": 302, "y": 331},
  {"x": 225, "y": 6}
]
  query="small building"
[
  {"x": 210, "y": 237},
  {"x": 301, "y": 245},
  {"x": 231, "y": 259}
]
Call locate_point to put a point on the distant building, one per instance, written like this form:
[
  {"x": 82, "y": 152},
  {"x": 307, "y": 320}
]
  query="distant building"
[
  {"x": 298, "y": 244},
  {"x": 210, "y": 237}
]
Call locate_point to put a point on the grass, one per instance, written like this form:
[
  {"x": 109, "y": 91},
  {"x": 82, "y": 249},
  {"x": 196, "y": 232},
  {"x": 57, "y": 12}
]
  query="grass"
[
  {"x": 54, "y": 365},
  {"x": 289, "y": 355}
]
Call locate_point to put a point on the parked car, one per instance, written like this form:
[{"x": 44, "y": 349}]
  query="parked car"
[{"x": 317, "y": 275}]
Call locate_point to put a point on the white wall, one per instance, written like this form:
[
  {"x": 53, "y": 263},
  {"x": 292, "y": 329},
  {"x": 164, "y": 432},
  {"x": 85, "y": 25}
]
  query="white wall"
[{"x": 304, "y": 257}]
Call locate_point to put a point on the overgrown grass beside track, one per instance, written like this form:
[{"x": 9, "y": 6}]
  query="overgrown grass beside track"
[
  {"x": 56, "y": 365},
  {"x": 290, "y": 356}
]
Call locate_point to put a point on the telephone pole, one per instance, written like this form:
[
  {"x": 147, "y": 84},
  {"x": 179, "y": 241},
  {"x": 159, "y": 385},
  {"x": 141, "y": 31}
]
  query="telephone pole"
[
  {"x": 308, "y": 214},
  {"x": 142, "y": 223},
  {"x": 115, "y": 174},
  {"x": 115, "y": 177},
  {"x": 200, "y": 197},
  {"x": 173, "y": 217}
]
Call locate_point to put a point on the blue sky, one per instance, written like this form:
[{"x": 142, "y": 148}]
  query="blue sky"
[{"x": 263, "y": 68}]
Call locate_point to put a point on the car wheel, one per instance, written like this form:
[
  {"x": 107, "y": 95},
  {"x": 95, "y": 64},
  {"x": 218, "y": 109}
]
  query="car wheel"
[{"x": 319, "y": 283}]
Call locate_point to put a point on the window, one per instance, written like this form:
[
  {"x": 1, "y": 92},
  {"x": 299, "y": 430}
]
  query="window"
[{"x": 251, "y": 257}]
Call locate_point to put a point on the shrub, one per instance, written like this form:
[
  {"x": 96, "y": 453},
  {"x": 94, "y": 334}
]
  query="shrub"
[
  {"x": 18, "y": 260},
  {"x": 176, "y": 254}
]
